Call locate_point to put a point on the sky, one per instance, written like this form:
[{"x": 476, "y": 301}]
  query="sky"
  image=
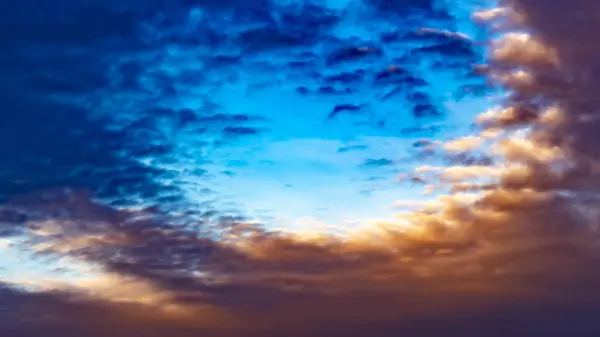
[{"x": 281, "y": 168}]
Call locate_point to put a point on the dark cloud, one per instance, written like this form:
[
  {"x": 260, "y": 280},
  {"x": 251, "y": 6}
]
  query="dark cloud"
[
  {"x": 30, "y": 161},
  {"x": 352, "y": 53},
  {"x": 347, "y": 78},
  {"x": 381, "y": 162},
  {"x": 421, "y": 110},
  {"x": 304, "y": 24},
  {"x": 89, "y": 25},
  {"x": 422, "y": 143},
  {"x": 451, "y": 48},
  {"x": 421, "y": 130},
  {"x": 392, "y": 75},
  {"x": 329, "y": 90},
  {"x": 400, "y": 7},
  {"x": 240, "y": 131},
  {"x": 345, "y": 109},
  {"x": 351, "y": 148}
]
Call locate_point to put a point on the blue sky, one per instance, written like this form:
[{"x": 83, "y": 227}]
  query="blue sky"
[
  {"x": 249, "y": 127},
  {"x": 292, "y": 133},
  {"x": 302, "y": 163}
]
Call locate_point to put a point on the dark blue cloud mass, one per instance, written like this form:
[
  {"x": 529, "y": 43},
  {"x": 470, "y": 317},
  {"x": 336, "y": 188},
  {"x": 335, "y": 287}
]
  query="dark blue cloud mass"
[{"x": 124, "y": 86}]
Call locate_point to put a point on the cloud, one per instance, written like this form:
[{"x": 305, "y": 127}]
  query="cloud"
[
  {"x": 352, "y": 148},
  {"x": 268, "y": 284},
  {"x": 349, "y": 54},
  {"x": 381, "y": 162},
  {"x": 463, "y": 144},
  {"x": 398, "y": 7},
  {"x": 522, "y": 49},
  {"x": 345, "y": 109},
  {"x": 515, "y": 258}
]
